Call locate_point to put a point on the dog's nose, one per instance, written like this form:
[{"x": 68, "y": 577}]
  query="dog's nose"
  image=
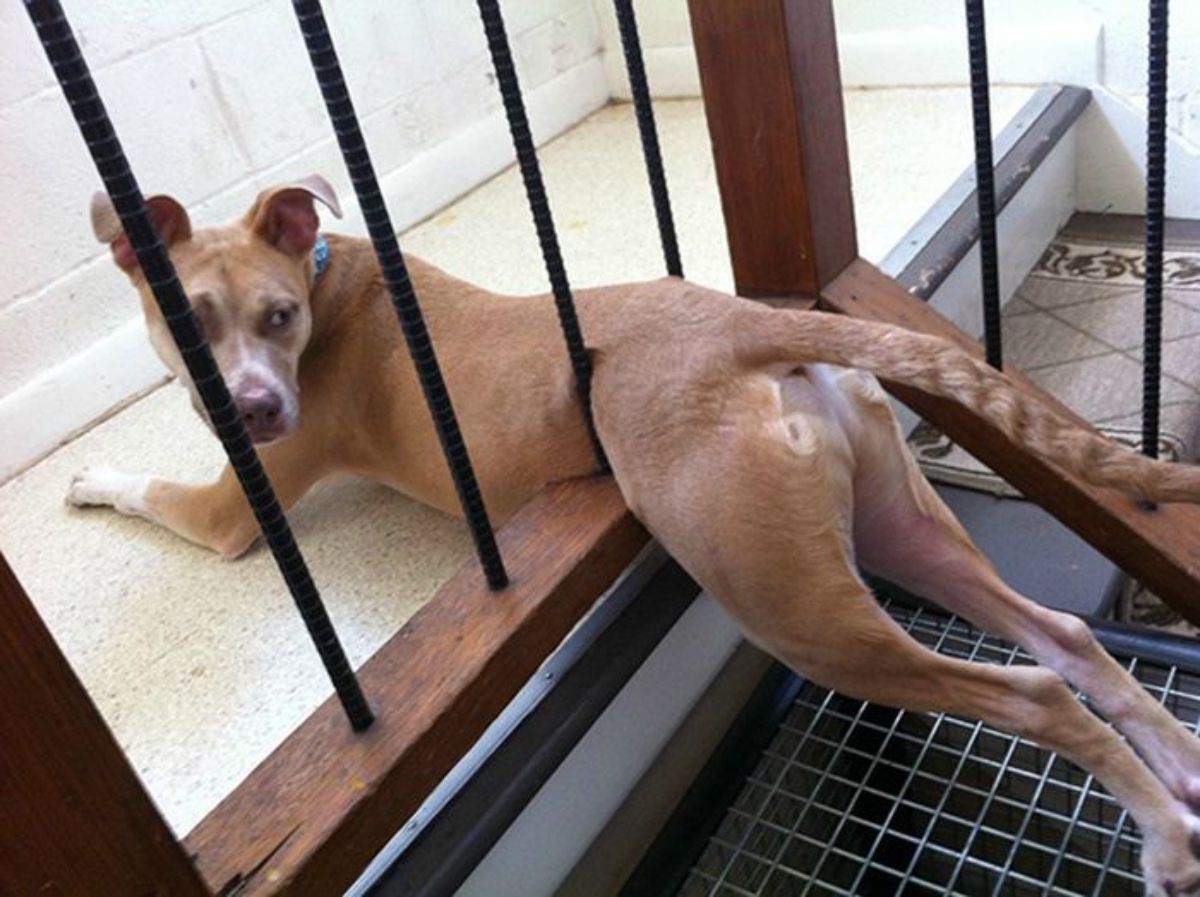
[{"x": 260, "y": 409}]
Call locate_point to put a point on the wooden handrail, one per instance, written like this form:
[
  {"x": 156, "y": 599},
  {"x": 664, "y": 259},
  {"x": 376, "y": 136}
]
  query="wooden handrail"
[{"x": 314, "y": 813}]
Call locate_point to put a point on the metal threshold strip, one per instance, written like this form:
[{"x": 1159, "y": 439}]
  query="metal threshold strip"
[{"x": 935, "y": 245}]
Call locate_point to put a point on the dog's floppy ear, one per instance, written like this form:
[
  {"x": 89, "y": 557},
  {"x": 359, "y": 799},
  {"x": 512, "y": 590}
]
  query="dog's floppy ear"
[
  {"x": 285, "y": 216},
  {"x": 169, "y": 217}
]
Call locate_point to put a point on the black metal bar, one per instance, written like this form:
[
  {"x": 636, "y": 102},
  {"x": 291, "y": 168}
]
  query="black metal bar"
[
  {"x": 1151, "y": 645},
  {"x": 539, "y": 206},
  {"x": 1156, "y": 183},
  {"x": 73, "y": 75},
  {"x": 981, "y": 116},
  {"x": 644, "y": 110},
  {"x": 395, "y": 273}
]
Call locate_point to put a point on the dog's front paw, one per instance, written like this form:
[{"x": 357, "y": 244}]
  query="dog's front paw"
[{"x": 103, "y": 486}]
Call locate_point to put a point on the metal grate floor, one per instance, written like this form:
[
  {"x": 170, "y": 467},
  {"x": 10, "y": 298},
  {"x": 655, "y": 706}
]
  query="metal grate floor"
[{"x": 854, "y": 799}]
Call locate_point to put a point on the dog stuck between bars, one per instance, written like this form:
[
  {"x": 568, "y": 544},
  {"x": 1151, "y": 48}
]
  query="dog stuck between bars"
[{"x": 755, "y": 443}]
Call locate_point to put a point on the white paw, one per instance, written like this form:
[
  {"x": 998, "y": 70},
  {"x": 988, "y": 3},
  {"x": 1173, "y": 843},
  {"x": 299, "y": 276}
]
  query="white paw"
[
  {"x": 1171, "y": 859},
  {"x": 104, "y": 486}
]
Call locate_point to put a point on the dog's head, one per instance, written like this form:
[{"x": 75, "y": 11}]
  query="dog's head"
[{"x": 249, "y": 284}]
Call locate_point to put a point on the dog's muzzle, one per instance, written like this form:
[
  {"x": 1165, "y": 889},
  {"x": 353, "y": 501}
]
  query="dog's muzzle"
[{"x": 262, "y": 412}]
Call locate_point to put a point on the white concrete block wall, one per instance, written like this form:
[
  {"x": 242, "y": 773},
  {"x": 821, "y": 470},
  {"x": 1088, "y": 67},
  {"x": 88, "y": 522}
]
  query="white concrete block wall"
[
  {"x": 214, "y": 101},
  {"x": 1099, "y": 44},
  {"x": 1125, "y": 58},
  {"x": 886, "y": 44}
]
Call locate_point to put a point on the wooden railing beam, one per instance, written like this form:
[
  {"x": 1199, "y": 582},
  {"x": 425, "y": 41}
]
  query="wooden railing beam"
[{"x": 313, "y": 814}]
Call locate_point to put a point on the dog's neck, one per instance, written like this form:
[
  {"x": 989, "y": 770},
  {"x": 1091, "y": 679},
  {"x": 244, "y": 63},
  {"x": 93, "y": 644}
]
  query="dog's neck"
[{"x": 346, "y": 271}]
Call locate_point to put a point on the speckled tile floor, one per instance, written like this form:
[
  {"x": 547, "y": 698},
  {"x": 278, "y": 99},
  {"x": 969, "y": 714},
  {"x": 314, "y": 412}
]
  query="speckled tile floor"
[
  {"x": 1075, "y": 325},
  {"x": 201, "y": 667}
]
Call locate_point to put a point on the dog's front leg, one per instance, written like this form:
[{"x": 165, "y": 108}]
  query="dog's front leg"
[{"x": 215, "y": 515}]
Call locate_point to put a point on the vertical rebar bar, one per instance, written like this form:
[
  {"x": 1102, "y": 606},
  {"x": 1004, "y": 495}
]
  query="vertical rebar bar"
[
  {"x": 73, "y": 75},
  {"x": 328, "y": 70},
  {"x": 644, "y": 110},
  {"x": 1156, "y": 182},
  {"x": 539, "y": 206},
  {"x": 985, "y": 186}
]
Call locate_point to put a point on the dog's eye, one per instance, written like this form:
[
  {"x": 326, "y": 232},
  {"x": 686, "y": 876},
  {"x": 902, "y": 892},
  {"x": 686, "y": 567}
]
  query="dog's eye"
[{"x": 281, "y": 317}]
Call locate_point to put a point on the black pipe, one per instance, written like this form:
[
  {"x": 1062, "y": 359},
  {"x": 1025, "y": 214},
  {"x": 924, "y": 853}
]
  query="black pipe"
[
  {"x": 981, "y": 116},
  {"x": 644, "y": 110},
  {"x": 395, "y": 273},
  {"x": 58, "y": 41},
  {"x": 539, "y": 206}
]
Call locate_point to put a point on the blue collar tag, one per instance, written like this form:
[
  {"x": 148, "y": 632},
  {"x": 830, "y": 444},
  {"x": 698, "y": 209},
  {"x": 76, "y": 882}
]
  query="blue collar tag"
[{"x": 320, "y": 253}]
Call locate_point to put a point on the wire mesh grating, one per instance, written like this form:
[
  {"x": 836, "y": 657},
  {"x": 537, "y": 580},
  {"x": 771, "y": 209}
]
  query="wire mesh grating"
[{"x": 850, "y": 798}]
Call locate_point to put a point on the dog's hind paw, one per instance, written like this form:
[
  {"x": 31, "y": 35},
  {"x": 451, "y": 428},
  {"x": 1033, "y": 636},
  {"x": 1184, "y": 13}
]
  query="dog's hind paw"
[
  {"x": 103, "y": 486},
  {"x": 1171, "y": 859}
]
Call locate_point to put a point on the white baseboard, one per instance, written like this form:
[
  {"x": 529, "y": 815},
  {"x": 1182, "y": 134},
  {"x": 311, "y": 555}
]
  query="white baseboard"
[
  {"x": 69, "y": 398},
  {"x": 1112, "y": 161},
  {"x": 1059, "y": 52},
  {"x": 672, "y": 72},
  {"x": 73, "y": 396}
]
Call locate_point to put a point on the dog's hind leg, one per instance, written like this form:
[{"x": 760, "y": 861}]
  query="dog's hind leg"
[
  {"x": 905, "y": 533},
  {"x": 761, "y": 510},
  {"x": 767, "y": 534},
  {"x": 879, "y": 662}
]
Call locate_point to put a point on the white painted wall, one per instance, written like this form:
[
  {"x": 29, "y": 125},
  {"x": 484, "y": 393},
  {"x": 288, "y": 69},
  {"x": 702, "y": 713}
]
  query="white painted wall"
[
  {"x": 1124, "y": 70},
  {"x": 885, "y": 43},
  {"x": 1099, "y": 44},
  {"x": 213, "y": 101},
  {"x": 1019, "y": 31}
]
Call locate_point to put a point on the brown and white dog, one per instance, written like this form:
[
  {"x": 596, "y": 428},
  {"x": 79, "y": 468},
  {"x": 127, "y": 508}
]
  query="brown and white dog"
[{"x": 754, "y": 443}]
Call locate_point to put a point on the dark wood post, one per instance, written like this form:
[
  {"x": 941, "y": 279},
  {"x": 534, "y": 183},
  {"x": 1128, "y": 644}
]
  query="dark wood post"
[
  {"x": 773, "y": 96},
  {"x": 73, "y": 816}
]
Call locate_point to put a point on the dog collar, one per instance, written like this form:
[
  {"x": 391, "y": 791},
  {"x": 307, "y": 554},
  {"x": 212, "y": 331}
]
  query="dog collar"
[{"x": 320, "y": 255}]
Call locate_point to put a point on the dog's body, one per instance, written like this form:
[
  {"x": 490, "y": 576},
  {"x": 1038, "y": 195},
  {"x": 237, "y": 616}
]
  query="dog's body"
[{"x": 766, "y": 470}]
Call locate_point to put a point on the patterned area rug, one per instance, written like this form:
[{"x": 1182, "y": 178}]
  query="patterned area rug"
[
  {"x": 1068, "y": 259},
  {"x": 1075, "y": 327}
]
